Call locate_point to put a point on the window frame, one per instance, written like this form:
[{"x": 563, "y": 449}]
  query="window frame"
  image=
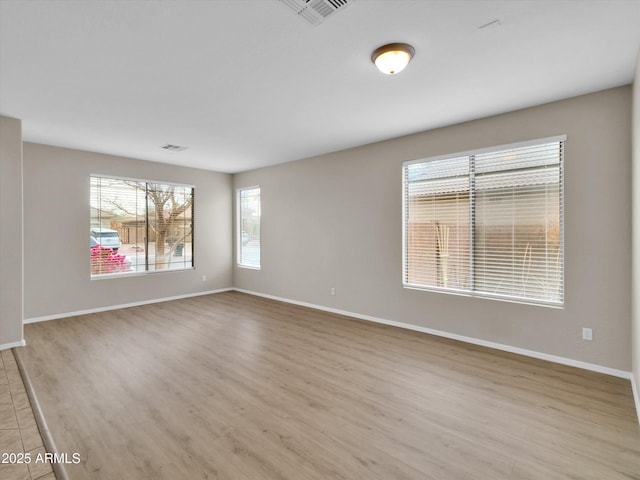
[
  {"x": 471, "y": 292},
  {"x": 146, "y": 271},
  {"x": 239, "y": 229}
]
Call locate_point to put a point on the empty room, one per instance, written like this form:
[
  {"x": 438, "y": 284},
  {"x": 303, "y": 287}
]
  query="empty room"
[{"x": 319, "y": 239}]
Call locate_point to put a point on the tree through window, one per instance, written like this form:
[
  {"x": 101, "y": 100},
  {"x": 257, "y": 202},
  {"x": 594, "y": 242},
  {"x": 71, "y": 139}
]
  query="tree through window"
[{"x": 153, "y": 222}]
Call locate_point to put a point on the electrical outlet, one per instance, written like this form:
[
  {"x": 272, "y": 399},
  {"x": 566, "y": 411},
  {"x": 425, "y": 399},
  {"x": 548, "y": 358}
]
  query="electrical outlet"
[
  {"x": 204, "y": 278},
  {"x": 333, "y": 290},
  {"x": 587, "y": 334}
]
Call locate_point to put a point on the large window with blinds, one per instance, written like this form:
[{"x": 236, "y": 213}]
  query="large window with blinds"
[
  {"x": 138, "y": 226},
  {"x": 487, "y": 223},
  {"x": 248, "y": 224}
]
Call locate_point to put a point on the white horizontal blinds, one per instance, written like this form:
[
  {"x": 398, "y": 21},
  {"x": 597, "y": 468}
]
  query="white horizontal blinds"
[
  {"x": 487, "y": 223},
  {"x": 437, "y": 223},
  {"x": 170, "y": 211},
  {"x": 117, "y": 206},
  {"x": 152, "y": 221},
  {"x": 518, "y": 229},
  {"x": 249, "y": 213}
]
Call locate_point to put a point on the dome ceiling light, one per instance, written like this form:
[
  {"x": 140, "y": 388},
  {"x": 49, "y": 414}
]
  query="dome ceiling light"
[{"x": 393, "y": 57}]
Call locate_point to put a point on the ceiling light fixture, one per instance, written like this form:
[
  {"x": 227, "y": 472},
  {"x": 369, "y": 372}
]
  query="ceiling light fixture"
[{"x": 393, "y": 57}]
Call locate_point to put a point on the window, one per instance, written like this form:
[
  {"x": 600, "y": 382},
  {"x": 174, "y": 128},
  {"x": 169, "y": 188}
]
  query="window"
[
  {"x": 139, "y": 226},
  {"x": 248, "y": 234},
  {"x": 487, "y": 223}
]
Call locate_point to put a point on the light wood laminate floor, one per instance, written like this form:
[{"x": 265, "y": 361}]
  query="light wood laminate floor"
[{"x": 233, "y": 386}]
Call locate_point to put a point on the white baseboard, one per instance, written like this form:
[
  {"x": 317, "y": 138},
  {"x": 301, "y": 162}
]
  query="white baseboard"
[
  {"x": 6, "y": 346},
  {"x": 475, "y": 341},
  {"x": 636, "y": 395},
  {"x": 117, "y": 307}
]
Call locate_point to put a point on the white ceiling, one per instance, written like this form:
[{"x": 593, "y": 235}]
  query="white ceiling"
[{"x": 246, "y": 83}]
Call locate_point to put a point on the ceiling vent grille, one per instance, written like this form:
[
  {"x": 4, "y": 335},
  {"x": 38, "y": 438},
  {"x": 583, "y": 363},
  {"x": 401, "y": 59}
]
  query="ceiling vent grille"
[{"x": 316, "y": 11}]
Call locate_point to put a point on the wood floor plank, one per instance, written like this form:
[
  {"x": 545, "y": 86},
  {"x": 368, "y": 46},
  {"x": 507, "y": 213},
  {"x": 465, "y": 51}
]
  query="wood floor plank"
[{"x": 232, "y": 386}]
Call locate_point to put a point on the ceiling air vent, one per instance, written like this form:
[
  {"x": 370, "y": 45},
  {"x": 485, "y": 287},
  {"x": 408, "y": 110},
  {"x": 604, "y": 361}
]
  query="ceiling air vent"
[
  {"x": 316, "y": 11},
  {"x": 173, "y": 148}
]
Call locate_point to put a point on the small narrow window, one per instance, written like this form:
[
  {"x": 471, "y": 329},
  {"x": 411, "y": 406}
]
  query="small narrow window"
[
  {"x": 487, "y": 223},
  {"x": 140, "y": 226},
  {"x": 248, "y": 232}
]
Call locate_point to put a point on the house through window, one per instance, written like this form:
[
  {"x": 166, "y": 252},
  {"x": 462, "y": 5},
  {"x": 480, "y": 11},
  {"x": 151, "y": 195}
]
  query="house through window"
[
  {"x": 487, "y": 223},
  {"x": 139, "y": 226}
]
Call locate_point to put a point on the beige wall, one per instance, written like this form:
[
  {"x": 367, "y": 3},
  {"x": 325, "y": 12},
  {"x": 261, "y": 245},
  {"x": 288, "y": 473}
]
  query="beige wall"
[
  {"x": 11, "y": 298},
  {"x": 56, "y": 216},
  {"x": 335, "y": 221},
  {"x": 635, "y": 284}
]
